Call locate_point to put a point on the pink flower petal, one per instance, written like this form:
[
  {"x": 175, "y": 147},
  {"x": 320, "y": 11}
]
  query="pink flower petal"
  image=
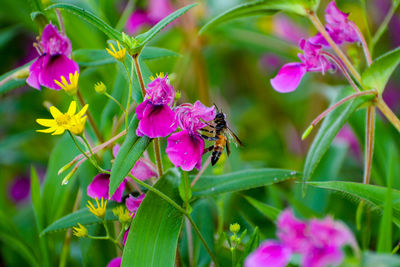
[
  {"x": 185, "y": 149},
  {"x": 34, "y": 71},
  {"x": 125, "y": 236},
  {"x": 143, "y": 169},
  {"x": 322, "y": 257},
  {"x": 99, "y": 187},
  {"x": 288, "y": 77},
  {"x": 292, "y": 232},
  {"x": 270, "y": 253},
  {"x": 157, "y": 121},
  {"x": 116, "y": 262},
  {"x": 137, "y": 20},
  {"x": 55, "y": 43},
  {"x": 115, "y": 150},
  {"x": 53, "y": 68},
  {"x": 132, "y": 204}
]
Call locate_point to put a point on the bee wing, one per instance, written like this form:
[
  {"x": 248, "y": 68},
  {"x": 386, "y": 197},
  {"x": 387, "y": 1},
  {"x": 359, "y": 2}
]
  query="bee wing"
[{"x": 234, "y": 137}]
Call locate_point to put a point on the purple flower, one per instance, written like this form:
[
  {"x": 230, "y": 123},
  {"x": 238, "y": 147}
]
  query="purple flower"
[
  {"x": 116, "y": 262},
  {"x": 270, "y": 253},
  {"x": 347, "y": 136},
  {"x": 156, "y": 11},
  {"x": 186, "y": 147},
  {"x": 143, "y": 169},
  {"x": 320, "y": 243},
  {"x": 132, "y": 204},
  {"x": 99, "y": 188},
  {"x": 53, "y": 62},
  {"x": 19, "y": 189},
  {"x": 155, "y": 114},
  {"x": 290, "y": 75},
  {"x": 286, "y": 29},
  {"x": 338, "y": 26}
]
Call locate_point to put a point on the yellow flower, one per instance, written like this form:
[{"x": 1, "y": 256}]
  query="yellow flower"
[
  {"x": 64, "y": 121},
  {"x": 158, "y": 75},
  {"x": 100, "y": 87},
  {"x": 70, "y": 87},
  {"x": 123, "y": 214},
  {"x": 120, "y": 54},
  {"x": 234, "y": 228},
  {"x": 80, "y": 230},
  {"x": 100, "y": 211}
]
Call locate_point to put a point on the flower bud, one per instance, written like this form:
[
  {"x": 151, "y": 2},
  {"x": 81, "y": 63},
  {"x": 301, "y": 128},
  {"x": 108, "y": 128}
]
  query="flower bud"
[
  {"x": 234, "y": 228},
  {"x": 100, "y": 87}
]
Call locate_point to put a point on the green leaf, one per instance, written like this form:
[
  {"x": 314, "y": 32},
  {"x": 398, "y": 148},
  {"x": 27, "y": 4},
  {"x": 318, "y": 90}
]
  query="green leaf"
[
  {"x": 331, "y": 125},
  {"x": 145, "y": 37},
  {"x": 20, "y": 247},
  {"x": 264, "y": 7},
  {"x": 373, "y": 194},
  {"x": 131, "y": 150},
  {"x": 370, "y": 259},
  {"x": 153, "y": 235},
  {"x": 82, "y": 216},
  {"x": 378, "y": 74},
  {"x": 91, "y": 18},
  {"x": 269, "y": 211},
  {"x": 151, "y": 53},
  {"x": 241, "y": 180},
  {"x": 10, "y": 80},
  {"x": 251, "y": 245},
  {"x": 385, "y": 228}
]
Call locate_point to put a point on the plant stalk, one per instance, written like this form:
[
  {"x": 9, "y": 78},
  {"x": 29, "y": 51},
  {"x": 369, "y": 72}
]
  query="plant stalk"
[
  {"x": 369, "y": 143},
  {"x": 90, "y": 118},
  {"x": 388, "y": 113}
]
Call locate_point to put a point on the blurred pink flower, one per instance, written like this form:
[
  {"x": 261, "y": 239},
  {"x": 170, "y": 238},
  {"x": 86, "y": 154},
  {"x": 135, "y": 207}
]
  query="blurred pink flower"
[
  {"x": 320, "y": 243},
  {"x": 290, "y": 75},
  {"x": 270, "y": 253},
  {"x": 186, "y": 147},
  {"x": 286, "y": 29},
  {"x": 116, "y": 262},
  {"x": 347, "y": 136},
  {"x": 132, "y": 204},
  {"x": 99, "y": 188},
  {"x": 156, "y": 11},
  {"x": 155, "y": 114},
  {"x": 53, "y": 61},
  {"x": 338, "y": 26},
  {"x": 19, "y": 189}
]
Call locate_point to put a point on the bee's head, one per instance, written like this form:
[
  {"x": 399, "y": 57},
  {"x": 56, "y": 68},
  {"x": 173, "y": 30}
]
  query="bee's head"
[{"x": 220, "y": 115}]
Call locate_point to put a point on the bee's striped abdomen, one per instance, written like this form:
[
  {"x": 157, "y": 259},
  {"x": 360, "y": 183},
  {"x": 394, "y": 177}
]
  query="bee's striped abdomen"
[{"x": 218, "y": 148}]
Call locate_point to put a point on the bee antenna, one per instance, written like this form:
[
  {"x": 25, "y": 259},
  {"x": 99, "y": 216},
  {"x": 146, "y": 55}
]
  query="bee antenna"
[{"x": 216, "y": 107}]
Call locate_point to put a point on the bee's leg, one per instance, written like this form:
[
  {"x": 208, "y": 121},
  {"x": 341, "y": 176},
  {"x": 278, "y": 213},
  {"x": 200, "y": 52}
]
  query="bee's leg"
[
  {"x": 209, "y": 138},
  {"x": 228, "y": 147},
  {"x": 208, "y": 149}
]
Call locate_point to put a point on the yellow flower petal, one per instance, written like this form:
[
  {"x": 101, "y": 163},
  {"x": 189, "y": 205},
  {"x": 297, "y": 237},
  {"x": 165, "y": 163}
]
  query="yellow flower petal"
[
  {"x": 55, "y": 112},
  {"x": 48, "y": 130},
  {"x": 47, "y": 122},
  {"x": 82, "y": 111},
  {"x": 59, "y": 84},
  {"x": 72, "y": 108},
  {"x": 60, "y": 130}
]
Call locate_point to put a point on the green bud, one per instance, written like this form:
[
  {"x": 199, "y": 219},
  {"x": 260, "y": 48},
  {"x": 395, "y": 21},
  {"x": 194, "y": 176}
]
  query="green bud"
[
  {"x": 100, "y": 87},
  {"x": 21, "y": 74},
  {"x": 234, "y": 228},
  {"x": 307, "y": 132},
  {"x": 69, "y": 176},
  {"x": 131, "y": 44}
]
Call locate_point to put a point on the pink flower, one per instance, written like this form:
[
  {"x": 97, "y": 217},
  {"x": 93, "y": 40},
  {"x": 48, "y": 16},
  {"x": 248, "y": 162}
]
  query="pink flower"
[
  {"x": 53, "y": 61},
  {"x": 116, "y": 262},
  {"x": 338, "y": 26},
  {"x": 270, "y": 253},
  {"x": 347, "y": 136},
  {"x": 186, "y": 147},
  {"x": 132, "y": 204},
  {"x": 286, "y": 29},
  {"x": 143, "y": 169},
  {"x": 292, "y": 231},
  {"x": 290, "y": 75},
  {"x": 155, "y": 114},
  {"x": 156, "y": 11},
  {"x": 319, "y": 242},
  {"x": 99, "y": 188}
]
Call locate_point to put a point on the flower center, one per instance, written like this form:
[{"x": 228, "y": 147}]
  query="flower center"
[{"x": 63, "y": 119}]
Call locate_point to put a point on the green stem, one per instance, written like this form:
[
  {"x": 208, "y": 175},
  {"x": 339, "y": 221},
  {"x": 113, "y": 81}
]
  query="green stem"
[
  {"x": 388, "y": 113},
  {"x": 90, "y": 118},
  {"x": 382, "y": 28},
  {"x": 365, "y": 18},
  {"x": 116, "y": 101},
  {"x": 369, "y": 143},
  {"x": 157, "y": 152},
  {"x": 233, "y": 250},
  {"x": 130, "y": 93}
]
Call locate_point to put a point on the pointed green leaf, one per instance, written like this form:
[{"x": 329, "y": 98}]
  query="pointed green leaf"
[
  {"x": 251, "y": 245},
  {"x": 131, "y": 150},
  {"x": 373, "y": 194},
  {"x": 91, "y": 18},
  {"x": 153, "y": 235},
  {"x": 144, "y": 38},
  {"x": 269, "y": 211},
  {"x": 263, "y": 7},
  {"x": 82, "y": 216},
  {"x": 20, "y": 247},
  {"x": 241, "y": 180},
  {"x": 378, "y": 74},
  {"x": 331, "y": 125}
]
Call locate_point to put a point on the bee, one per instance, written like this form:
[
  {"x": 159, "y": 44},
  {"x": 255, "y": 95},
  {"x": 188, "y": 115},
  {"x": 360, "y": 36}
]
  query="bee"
[{"x": 221, "y": 135}]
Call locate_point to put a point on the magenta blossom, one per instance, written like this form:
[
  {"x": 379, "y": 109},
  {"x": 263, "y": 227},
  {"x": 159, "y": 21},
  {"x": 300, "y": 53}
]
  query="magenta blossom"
[
  {"x": 270, "y": 253},
  {"x": 100, "y": 185},
  {"x": 132, "y": 204},
  {"x": 286, "y": 29},
  {"x": 347, "y": 136},
  {"x": 319, "y": 242},
  {"x": 186, "y": 147},
  {"x": 143, "y": 169},
  {"x": 53, "y": 62},
  {"x": 155, "y": 114},
  {"x": 156, "y": 11},
  {"x": 339, "y": 27},
  {"x": 116, "y": 262},
  {"x": 290, "y": 75}
]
